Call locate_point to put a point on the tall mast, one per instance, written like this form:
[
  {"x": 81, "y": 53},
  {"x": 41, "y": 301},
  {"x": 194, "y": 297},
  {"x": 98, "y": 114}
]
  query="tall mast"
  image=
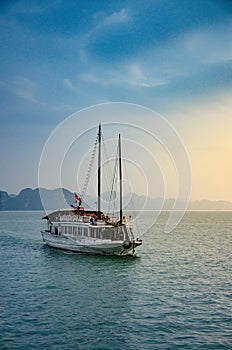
[
  {"x": 120, "y": 176},
  {"x": 99, "y": 170}
]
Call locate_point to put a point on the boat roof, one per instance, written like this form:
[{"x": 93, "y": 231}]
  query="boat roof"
[{"x": 69, "y": 212}]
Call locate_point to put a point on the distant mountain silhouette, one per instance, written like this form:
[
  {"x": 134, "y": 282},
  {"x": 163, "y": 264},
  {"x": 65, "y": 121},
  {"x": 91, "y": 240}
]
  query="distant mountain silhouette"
[{"x": 29, "y": 199}]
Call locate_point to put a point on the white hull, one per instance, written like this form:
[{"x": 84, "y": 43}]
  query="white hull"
[{"x": 89, "y": 244}]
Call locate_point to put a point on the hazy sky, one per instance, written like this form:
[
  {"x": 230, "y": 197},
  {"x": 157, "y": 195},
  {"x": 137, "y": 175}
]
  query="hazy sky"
[{"x": 174, "y": 57}]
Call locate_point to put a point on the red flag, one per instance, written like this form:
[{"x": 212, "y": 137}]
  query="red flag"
[{"x": 77, "y": 197}]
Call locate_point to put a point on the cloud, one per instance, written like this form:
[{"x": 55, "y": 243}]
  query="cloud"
[
  {"x": 209, "y": 45},
  {"x": 187, "y": 66},
  {"x": 129, "y": 75},
  {"x": 111, "y": 59},
  {"x": 116, "y": 18},
  {"x": 136, "y": 72},
  {"x": 24, "y": 88},
  {"x": 196, "y": 58},
  {"x": 103, "y": 20},
  {"x": 138, "y": 77},
  {"x": 88, "y": 77},
  {"x": 105, "y": 26},
  {"x": 70, "y": 85}
]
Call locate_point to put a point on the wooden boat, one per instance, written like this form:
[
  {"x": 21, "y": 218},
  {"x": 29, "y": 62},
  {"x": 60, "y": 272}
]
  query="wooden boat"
[{"x": 91, "y": 231}]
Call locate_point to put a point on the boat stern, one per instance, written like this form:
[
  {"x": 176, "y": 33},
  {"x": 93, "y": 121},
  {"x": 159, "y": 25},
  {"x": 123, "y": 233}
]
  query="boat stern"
[{"x": 129, "y": 247}]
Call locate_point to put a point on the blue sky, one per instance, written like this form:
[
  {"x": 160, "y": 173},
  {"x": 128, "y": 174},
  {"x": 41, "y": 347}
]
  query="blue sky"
[{"x": 174, "y": 57}]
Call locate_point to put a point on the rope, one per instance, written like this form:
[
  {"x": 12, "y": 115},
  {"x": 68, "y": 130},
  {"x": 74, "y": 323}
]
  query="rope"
[
  {"x": 114, "y": 180},
  {"x": 86, "y": 182}
]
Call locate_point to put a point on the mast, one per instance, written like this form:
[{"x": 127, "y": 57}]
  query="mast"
[
  {"x": 120, "y": 177},
  {"x": 99, "y": 170}
]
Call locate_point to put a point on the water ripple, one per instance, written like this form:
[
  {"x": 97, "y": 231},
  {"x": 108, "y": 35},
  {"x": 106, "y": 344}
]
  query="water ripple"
[{"x": 176, "y": 294}]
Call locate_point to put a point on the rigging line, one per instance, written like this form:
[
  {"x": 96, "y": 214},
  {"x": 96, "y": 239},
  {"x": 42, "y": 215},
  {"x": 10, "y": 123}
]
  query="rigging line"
[
  {"x": 86, "y": 182},
  {"x": 108, "y": 172},
  {"x": 115, "y": 173},
  {"x": 114, "y": 190}
]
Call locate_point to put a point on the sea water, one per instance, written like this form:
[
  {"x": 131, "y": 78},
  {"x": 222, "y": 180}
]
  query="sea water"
[{"x": 176, "y": 294}]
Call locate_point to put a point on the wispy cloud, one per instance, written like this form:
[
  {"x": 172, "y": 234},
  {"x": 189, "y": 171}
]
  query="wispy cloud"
[
  {"x": 136, "y": 72},
  {"x": 88, "y": 77},
  {"x": 209, "y": 45},
  {"x": 103, "y": 19},
  {"x": 130, "y": 75},
  {"x": 115, "y": 18},
  {"x": 179, "y": 57},
  {"x": 183, "y": 63},
  {"x": 194, "y": 54},
  {"x": 137, "y": 77},
  {"x": 24, "y": 88},
  {"x": 102, "y": 24},
  {"x": 70, "y": 85}
]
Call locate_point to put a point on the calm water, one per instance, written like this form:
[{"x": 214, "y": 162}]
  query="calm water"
[{"x": 175, "y": 295}]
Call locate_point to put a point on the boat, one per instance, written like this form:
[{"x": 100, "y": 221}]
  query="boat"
[{"x": 92, "y": 231}]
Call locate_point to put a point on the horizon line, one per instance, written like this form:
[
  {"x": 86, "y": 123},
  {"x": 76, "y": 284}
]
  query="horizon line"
[{"x": 139, "y": 195}]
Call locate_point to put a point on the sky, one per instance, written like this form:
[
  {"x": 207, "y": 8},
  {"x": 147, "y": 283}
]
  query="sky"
[{"x": 171, "y": 57}]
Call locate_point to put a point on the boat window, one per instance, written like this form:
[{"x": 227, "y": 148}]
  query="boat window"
[
  {"x": 85, "y": 233},
  {"x": 114, "y": 234},
  {"x": 129, "y": 233},
  {"x": 91, "y": 232},
  {"x": 98, "y": 233},
  {"x": 70, "y": 230},
  {"x": 79, "y": 231},
  {"x": 75, "y": 231}
]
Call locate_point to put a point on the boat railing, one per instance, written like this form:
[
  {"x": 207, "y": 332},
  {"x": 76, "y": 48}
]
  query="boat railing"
[
  {"x": 73, "y": 218},
  {"x": 83, "y": 218}
]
